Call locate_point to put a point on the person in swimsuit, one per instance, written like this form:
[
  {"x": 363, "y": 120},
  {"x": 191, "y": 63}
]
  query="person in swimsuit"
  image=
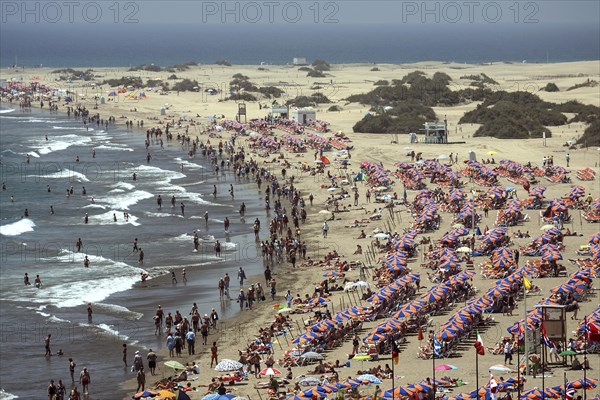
[
  {"x": 85, "y": 380},
  {"x": 214, "y": 354}
]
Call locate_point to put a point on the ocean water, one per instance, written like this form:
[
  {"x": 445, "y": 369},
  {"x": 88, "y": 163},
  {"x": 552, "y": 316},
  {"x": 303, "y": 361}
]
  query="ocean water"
[
  {"x": 44, "y": 244},
  {"x": 120, "y": 45}
]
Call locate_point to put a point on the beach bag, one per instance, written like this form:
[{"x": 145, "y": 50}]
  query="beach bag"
[
  {"x": 263, "y": 298},
  {"x": 132, "y": 369}
]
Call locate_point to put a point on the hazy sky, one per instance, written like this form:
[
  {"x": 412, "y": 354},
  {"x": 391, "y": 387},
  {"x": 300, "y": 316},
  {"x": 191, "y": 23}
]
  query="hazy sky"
[
  {"x": 309, "y": 12},
  {"x": 364, "y": 11}
]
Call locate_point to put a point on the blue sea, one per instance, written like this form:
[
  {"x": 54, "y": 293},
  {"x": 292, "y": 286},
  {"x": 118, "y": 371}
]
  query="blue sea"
[
  {"x": 121, "y": 45},
  {"x": 44, "y": 244}
]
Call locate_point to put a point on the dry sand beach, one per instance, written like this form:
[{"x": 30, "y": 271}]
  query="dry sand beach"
[{"x": 342, "y": 81}]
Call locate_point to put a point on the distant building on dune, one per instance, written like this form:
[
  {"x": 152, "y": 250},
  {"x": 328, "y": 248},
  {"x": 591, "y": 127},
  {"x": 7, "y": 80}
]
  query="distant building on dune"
[
  {"x": 299, "y": 61},
  {"x": 435, "y": 132},
  {"x": 304, "y": 115}
]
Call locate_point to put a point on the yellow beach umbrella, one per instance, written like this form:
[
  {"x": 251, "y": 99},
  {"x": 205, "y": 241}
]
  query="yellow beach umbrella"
[{"x": 165, "y": 394}]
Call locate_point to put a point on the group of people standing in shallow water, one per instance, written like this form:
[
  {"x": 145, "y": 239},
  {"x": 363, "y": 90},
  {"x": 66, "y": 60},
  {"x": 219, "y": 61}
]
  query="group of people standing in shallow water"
[{"x": 282, "y": 242}]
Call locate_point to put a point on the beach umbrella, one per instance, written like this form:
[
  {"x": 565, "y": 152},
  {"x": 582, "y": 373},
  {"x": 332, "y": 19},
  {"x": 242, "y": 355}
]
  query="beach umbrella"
[
  {"x": 331, "y": 274},
  {"x": 369, "y": 378},
  {"x": 361, "y": 357},
  {"x": 174, "y": 364},
  {"x": 216, "y": 396},
  {"x": 145, "y": 393},
  {"x": 595, "y": 238},
  {"x": 301, "y": 397},
  {"x": 587, "y": 384},
  {"x": 567, "y": 353},
  {"x": 381, "y": 235},
  {"x": 269, "y": 371},
  {"x": 311, "y": 355},
  {"x": 228, "y": 365},
  {"x": 318, "y": 300},
  {"x": 546, "y": 227},
  {"x": 317, "y": 391},
  {"x": 501, "y": 369},
  {"x": 445, "y": 367},
  {"x": 552, "y": 256},
  {"x": 165, "y": 394},
  {"x": 533, "y": 394},
  {"x": 309, "y": 381}
]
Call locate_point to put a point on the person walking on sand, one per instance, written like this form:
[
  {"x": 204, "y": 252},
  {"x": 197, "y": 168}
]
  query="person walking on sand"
[
  {"x": 191, "y": 341},
  {"x": 214, "y": 354},
  {"x": 171, "y": 344},
  {"x": 325, "y": 229},
  {"x": 151, "y": 357},
  {"x": 141, "y": 380},
  {"x": 85, "y": 380}
]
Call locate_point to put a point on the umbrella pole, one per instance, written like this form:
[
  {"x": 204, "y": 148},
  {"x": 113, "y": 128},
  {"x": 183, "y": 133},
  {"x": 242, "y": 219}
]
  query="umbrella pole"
[
  {"x": 477, "y": 370},
  {"x": 259, "y": 394},
  {"x": 585, "y": 333},
  {"x": 525, "y": 331},
  {"x": 519, "y": 366},
  {"x": 564, "y": 392},
  {"x": 543, "y": 351},
  {"x": 393, "y": 375},
  {"x": 433, "y": 369}
]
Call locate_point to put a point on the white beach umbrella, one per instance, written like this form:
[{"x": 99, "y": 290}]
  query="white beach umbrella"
[
  {"x": 311, "y": 355},
  {"x": 228, "y": 365},
  {"x": 381, "y": 235}
]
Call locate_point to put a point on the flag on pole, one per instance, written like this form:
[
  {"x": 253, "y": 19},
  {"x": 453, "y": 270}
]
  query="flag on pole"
[
  {"x": 437, "y": 348},
  {"x": 479, "y": 345},
  {"x": 493, "y": 387},
  {"x": 570, "y": 394},
  {"x": 545, "y": 339},
  {"x": 526, "y": 283},
  {"x": 395, "y": 352}
]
